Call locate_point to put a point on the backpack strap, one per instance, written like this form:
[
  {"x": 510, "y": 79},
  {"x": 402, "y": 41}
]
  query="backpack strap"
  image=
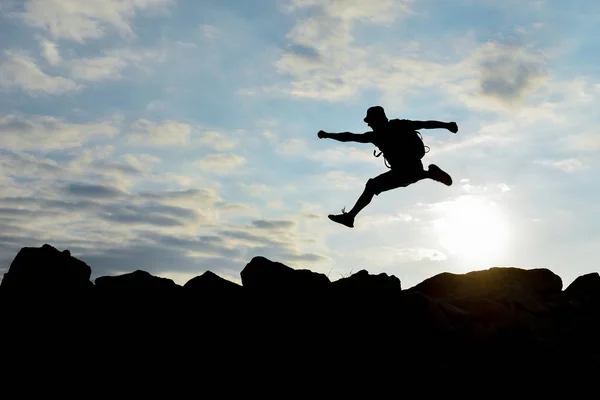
[
  {"x": 427, "y": 148},
  {"x": 384, "y": 160}
]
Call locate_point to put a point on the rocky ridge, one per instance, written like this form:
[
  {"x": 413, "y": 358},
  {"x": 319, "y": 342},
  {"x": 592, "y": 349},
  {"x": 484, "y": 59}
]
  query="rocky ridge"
[{"x": 469, "y": 322}]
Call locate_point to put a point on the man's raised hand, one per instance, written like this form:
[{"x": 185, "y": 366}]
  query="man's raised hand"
[
  {"x": 322, "y": 134},
  {"x": 452, "y": 127}
]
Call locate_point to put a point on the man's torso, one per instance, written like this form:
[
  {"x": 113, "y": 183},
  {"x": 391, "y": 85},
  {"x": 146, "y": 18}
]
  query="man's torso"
[{"x": 392, "y": 142}]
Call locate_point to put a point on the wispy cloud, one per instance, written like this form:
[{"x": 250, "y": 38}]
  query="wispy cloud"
[
  {"x": 217, "y": 141},
  {"x": 566, "y": 165},
  {"x": 160, "y": 133},
  {"x": 93, "y": 19},
  {"x": 51, "y": 52},
  {"x": 19, "y": 71},
  {"x": 220, "y": 163},
  {"x": 46, "y": 133}
]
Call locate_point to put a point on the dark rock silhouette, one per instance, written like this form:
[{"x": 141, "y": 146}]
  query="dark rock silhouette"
[
  {"x": 585, "y": 288},
  {"x": 451, "y": 325},
  {"x": 46, "y": 267},
  {"x": 262, "y": 274},
  {"x": 137, "y": 280},
  {"x": 211, "y": 282},
  {"x": 484, "y": 283},
  {"x": 363, "y": 280}
]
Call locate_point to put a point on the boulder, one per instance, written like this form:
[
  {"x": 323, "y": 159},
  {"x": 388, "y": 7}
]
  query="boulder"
[
  {"x": 137, "y": 280},
  {"x": 363, "y": 280},
  {"x": 585, "y": 290},
  {"x": 46, "y": 268},
  {"x": 264, "y": 275},
  {"x": 541, "y": 282},
  {"x": 209, "y": 282}
]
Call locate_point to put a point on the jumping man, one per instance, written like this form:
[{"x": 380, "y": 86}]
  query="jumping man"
[{"x": 401, "y": 147}]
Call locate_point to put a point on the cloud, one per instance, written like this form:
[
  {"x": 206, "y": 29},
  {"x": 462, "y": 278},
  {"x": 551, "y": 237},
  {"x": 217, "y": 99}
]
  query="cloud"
[
  {"x": 217, "y": 141},
  {"x": 343, "y": 180},
  {"x": 160, "y": 256},
  {"x": 245, "y": 238},
  {"x": 583, "y": 142},
  {"x": 416, "y": 254},
  {"x": 160, "y": 133},
  {"x": 343, "y": 154},
  {"x": 509, "y": 73},
  {"x": 293, "y": 146},
  {"x": 50, "y": 52},
  {"x": 289, "y": 255},
  {"x": 220, "y": 163},
  {"x": 92, "y": 19},
  {"x": 196, "y": 198},
  {"x": 327, "y": 59},
  {"x": 23, "y": 165},
  {"x": 255, "y": 189},
  {"x": 209, "y": 31},
  {"x": 92, "y": 191},
  {"x": 187, "y": 44},
  {"x": 97, "y": 68},
  {"x": 149, "y": 214},
  {"x": 273, "y": 224},
  {"x": 140, "y": 161},
  {"x": 80, "y": 204},
  {"x": 36, "y": 168},
  {"x": 20, "y": 71},
  {"x": 207, "y": 245},
  {"x": 237, "y": 209},
  {"x": 488, "y": 188},
  {"x": 45, "y": 133},
  {"x": 111, "y": 65},
  {"x": 376, "y": 11},
  {"x": 322, "y": 60},
  {"x": 566, "y": 165},
  {"x": 280, "y": 239},
  {"x": 100, "y": 163},
  {"x": 377, "y": 221}
]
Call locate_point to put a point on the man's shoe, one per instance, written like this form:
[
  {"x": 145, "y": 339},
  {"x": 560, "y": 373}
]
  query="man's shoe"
[
  {"x": 344, "y": 219},
  {"x": 438, "y": 175}
]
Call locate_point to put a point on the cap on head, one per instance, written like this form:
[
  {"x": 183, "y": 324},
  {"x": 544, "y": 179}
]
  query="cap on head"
[{"x": 375, "y": 113}]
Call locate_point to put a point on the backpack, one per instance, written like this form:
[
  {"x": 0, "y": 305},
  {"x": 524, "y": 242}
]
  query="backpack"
[{"x": 410, "y": 141}]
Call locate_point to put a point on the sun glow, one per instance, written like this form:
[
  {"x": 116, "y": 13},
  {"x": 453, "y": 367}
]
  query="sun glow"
[{"x": 473, "y": 229}]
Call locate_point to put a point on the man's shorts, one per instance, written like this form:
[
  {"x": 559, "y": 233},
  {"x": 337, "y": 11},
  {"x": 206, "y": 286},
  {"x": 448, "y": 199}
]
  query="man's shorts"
[{"x": 398, "y": 176}]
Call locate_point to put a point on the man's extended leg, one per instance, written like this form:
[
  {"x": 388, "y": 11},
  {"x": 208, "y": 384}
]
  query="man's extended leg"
[
  {"x": 387, "y": 181},
  {"x": 347, "y": 218}
]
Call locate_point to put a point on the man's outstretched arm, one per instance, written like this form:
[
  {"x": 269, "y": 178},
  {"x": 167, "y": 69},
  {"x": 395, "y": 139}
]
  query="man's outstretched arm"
[
  {"x": 346, "y": 136},
  {"x": 451, "y": 126}
]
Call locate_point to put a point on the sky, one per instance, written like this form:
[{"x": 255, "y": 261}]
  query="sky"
[{"x": 179, "y": 136}]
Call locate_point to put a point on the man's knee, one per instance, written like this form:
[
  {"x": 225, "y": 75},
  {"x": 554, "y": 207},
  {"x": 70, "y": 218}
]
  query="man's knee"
[{"x": 373, "y": 187}]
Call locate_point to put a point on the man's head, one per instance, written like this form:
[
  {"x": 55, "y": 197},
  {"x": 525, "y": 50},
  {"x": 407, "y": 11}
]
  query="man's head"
[{"x": 376, "y": 117}]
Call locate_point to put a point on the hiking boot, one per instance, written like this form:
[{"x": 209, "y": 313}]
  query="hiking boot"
[
  {"x": 343, "y": 218},
  {"x": 438, "y": 175}
]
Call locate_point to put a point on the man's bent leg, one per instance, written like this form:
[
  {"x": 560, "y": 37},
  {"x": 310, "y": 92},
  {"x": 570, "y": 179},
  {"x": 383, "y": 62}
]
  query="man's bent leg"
[{"x": 439, "y": 175}]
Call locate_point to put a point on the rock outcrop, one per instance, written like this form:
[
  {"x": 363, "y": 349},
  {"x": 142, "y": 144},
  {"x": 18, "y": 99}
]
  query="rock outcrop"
[
  {"x": 263, "y": 275},
  {"x": 46, "y": 268}
]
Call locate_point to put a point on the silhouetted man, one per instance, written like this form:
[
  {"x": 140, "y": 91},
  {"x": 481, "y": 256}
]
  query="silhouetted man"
[{"x": 402, "y": 149}]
